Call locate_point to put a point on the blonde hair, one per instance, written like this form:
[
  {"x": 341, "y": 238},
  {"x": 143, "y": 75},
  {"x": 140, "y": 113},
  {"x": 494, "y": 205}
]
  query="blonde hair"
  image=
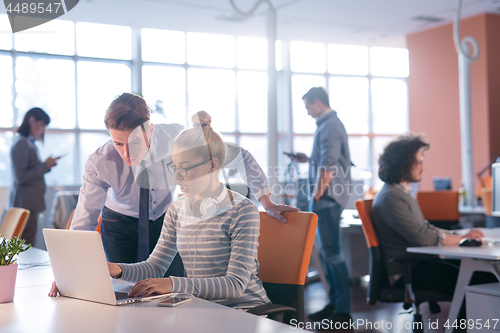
[
  {"x": 202, "y": 138},
  {"x": 127, "y": 112}
]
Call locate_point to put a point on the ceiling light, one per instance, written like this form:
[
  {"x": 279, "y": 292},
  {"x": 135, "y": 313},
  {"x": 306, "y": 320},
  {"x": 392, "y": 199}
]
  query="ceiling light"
[{"x": 428, "y": 19}]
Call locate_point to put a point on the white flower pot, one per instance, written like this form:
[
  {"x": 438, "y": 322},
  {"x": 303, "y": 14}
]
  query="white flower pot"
[{"x": 8, "y": 275}]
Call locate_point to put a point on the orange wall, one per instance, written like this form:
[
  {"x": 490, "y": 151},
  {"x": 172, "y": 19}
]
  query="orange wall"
[
  {"x": 434, "y": 97},
  {"x": 493, "y": 56}
]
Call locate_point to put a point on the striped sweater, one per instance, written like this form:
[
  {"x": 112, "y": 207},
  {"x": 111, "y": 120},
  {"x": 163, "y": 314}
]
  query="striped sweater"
[{"x": 219, "y": 254}]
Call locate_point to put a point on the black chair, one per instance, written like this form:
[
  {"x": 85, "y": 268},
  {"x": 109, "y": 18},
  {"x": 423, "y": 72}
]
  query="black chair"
[{"x": 379, "y": 288}]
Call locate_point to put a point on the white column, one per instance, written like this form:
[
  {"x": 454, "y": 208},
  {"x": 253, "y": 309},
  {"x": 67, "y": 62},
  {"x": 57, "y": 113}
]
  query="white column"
[
  {"x": 466, "y": 128},
  {"x": 272, "y": 112}
]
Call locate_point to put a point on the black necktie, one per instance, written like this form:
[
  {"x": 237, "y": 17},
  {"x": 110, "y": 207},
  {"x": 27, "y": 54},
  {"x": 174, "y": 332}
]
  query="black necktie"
[{"x": 143, "y": 231}]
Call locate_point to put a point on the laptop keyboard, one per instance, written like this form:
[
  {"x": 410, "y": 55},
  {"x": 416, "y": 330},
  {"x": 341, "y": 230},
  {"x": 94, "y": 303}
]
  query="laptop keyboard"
[{"x": 121, "y": 295}]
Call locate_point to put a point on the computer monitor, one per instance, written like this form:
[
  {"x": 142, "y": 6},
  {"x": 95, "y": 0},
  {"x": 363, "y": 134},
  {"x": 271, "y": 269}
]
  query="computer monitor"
[
  {"x": 495, "y": 193},
  {"x": 442, "y": 183}
]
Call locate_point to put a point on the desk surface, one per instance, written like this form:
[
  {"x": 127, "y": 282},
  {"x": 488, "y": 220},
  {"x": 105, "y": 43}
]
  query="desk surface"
[
  {"x": 470, "y": 209},
  {"x": 350, "y": 218},
  {"x": 33, "y": 311},
  {"x": 487, "y": 252}
]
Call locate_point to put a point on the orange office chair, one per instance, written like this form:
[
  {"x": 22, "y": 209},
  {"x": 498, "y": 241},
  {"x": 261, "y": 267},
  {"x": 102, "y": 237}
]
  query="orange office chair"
[
  {"x": 379, "y": 288},
  {"x": 486, "y": 198},
  {"x": 14, "y": 222},
  {"x": 440, "y": 208},
  {"x": 484, "y": 182},
  {"x": 284, "y": 253},
  {"x": 98, "y": 229},
  {"x": 70, "y": 219}
]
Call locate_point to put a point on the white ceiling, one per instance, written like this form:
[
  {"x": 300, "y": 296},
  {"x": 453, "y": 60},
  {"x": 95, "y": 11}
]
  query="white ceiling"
[{"x": 366, "y": 22}]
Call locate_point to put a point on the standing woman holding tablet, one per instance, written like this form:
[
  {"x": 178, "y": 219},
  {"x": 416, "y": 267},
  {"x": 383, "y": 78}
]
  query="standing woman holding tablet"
[
  {"x": 28, "y": 185},
  {"x": 215, "y": 230}
]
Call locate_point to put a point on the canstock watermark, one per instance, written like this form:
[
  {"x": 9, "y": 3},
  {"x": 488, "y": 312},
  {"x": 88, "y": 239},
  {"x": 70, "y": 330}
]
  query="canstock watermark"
[
  {"x": 286, "y": 187},
  {"x": 26, "y": 14}
]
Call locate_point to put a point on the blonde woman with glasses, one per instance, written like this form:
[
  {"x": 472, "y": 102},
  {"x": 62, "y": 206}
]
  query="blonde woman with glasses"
[{"x": 214, "y": 230}]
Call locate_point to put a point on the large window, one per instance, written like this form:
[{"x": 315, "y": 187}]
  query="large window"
[
  {"x": 184, "y": 73},
  {"x": 6, "y": 97},
  {"x": 72, "y": 71},
  {"x": 98, "y": 83},
  {"x": 165, "y": 86},
  {"x": 5, "y": 39},
  {"x": 75, "y": 71},
  {"x": 49, "y": 84}
]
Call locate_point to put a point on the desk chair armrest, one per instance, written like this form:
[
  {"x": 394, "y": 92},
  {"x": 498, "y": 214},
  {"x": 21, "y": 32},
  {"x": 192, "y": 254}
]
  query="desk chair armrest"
[{"x": 273, "y": 311}]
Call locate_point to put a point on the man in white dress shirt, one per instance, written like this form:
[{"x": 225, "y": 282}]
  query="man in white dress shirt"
[{"x": 110, "y": 183}]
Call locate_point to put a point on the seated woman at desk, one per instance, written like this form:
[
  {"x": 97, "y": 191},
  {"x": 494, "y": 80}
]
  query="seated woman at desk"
[{"x": 214, "y": 230}]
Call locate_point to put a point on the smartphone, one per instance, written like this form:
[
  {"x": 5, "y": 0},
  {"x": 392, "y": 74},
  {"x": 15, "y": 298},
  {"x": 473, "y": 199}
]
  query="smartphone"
[
  {"x": 174, "y": 301},
  {"x": 290, "y": 154}
]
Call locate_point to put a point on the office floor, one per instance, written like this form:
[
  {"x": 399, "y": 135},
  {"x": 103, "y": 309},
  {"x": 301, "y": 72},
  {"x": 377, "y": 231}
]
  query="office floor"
[{"x": 375, "y": 315}]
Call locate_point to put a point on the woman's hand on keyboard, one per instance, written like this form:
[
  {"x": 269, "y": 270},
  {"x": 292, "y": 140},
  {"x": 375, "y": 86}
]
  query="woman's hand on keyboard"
[{"x": 147, "y": 287}]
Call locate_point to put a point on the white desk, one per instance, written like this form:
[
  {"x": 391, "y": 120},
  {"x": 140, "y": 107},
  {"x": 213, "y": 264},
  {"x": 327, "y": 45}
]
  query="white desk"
[
  {"x": 485, "y": 258},
  {"x": 470, "y": 209},
  {"x": 34, "y": 269},
  {"x": 33, "y": 311}
]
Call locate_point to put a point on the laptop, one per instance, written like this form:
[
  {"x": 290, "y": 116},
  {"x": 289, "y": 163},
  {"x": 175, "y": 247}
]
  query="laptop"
[{"x": 81, "y": 270}]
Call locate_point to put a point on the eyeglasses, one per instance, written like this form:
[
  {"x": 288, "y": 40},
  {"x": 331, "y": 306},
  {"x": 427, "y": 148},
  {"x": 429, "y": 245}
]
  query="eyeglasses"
[{"x": 182, "y": 171}]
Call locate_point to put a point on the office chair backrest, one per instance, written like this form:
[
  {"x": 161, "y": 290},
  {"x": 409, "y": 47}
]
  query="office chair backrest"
[
  {"x": 285, "y": 248},
  {"x": 439, "y": 205},
  {"x": 484, "y": 182},
  {"x": 364, "y": 208},
  {"x": 486, "y": 198},
  {"x": 14, "y": 222},
  {"x": 70, "y": 219},
  {"x": 284, "y": 253},
  {"x": 378, "y": 274},
  {"x": 98, "y": 229}
]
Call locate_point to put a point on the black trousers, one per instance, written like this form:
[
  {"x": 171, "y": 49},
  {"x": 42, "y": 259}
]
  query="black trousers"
[{"x": 120, "y": 239}]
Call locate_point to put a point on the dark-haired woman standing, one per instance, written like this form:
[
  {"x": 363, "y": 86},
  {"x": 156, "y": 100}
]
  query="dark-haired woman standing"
[{"x": 28, "y": 185}]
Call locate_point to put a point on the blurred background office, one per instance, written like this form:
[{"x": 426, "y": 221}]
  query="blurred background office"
[{"x": 389, "y": 67}]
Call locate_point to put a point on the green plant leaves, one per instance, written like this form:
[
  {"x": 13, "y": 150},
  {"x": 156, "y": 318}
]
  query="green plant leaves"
[{"x": 9, "y": 248}]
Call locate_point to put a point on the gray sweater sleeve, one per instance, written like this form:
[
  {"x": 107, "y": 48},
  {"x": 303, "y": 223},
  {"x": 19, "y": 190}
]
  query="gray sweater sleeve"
[
  {"x": 400, "y": 215},
  {"x": 244, "y": 231},
  {"x": 161, "y": 257}
]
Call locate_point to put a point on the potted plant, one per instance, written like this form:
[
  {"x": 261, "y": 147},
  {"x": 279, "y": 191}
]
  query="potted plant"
[{"x": 9, "y": 249}]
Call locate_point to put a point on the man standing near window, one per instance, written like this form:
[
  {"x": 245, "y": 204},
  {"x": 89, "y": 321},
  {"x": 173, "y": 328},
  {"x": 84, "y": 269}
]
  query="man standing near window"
[{"x": 330, "y": 178}]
